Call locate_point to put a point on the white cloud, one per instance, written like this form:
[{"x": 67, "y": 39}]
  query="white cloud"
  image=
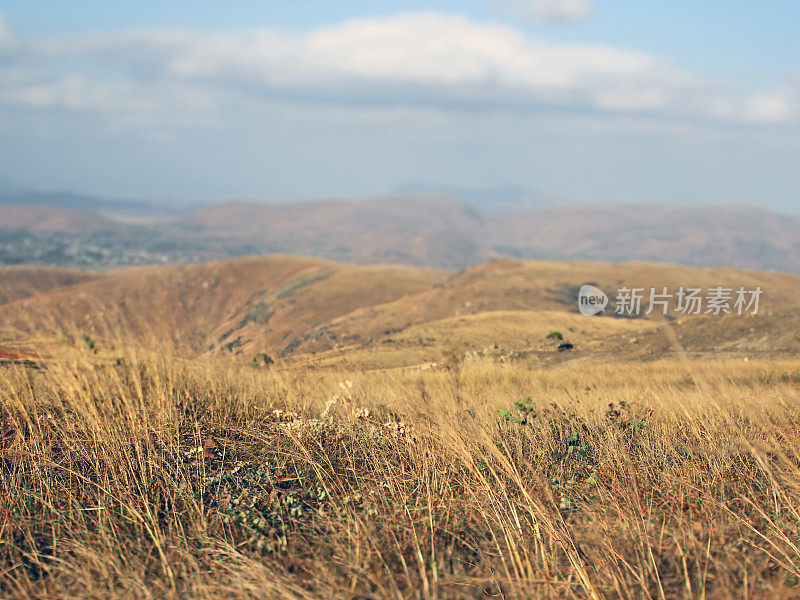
[
  {"x": 770, "y": 108},
  {"x": 555, "y": 11},
  {"x": 780, "y": 105},
  {"x": 424, "y": 60}
]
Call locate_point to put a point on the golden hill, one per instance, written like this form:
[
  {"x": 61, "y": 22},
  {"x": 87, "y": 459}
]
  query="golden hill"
[
  {"x": 252, "y": 303},
  {"x": 430, "y": 401},
  {"x": 384, "y": 315},
  {"x": 509, "y": 285}
]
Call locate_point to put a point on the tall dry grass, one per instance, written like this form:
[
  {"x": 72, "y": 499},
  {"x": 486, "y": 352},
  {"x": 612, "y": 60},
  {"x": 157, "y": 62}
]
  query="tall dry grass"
[{"x": 149, "y": 477}]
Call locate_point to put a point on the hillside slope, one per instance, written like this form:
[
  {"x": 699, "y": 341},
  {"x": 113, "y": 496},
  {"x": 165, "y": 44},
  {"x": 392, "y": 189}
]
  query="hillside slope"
[
  {"x": 256, "y": 303},
  {"x": 17, "y": 282},
  {"x": 290, "y": 305},
  {"x": 504, "y": 285}
]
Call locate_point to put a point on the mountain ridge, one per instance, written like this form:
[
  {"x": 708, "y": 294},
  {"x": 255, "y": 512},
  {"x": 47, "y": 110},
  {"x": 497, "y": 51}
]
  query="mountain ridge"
[{"x": 437, "y": 230}]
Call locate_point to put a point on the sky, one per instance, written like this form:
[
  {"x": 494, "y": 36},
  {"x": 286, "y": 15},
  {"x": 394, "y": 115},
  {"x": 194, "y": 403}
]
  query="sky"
[{"x": 579, "y": 100}]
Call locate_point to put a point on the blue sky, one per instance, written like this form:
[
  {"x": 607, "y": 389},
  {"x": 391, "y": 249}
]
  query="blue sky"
[{"x": 586, "y": 101}]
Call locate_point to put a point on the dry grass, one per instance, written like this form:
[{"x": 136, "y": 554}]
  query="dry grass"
[{"x": 151, "y": 477}]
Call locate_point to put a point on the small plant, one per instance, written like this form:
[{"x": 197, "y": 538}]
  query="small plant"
[
  {"x": 525, "y": 409},
  {"x": 262, "y": 359},
  {"x": 577, "y": 447},
  {"x": 506, "y": 414},
  {"x": 555, "y": 335}
]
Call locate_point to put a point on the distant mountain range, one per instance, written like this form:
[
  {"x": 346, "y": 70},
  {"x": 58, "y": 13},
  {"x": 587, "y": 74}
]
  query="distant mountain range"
[
  {"x": 431, "y": 229},
  {"x": 449, "y": 232},
  {"x": 489, "y": 200}
]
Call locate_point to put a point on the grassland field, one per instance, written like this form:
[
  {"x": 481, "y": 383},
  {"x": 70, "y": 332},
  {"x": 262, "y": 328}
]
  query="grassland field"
[{"x": 456, "y": 454}]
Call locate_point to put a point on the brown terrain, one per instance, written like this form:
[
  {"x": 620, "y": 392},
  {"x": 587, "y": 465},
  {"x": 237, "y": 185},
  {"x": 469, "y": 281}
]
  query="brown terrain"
[
  {"x": 265, "y": 303},
  {"x": 392, "y": 315}
]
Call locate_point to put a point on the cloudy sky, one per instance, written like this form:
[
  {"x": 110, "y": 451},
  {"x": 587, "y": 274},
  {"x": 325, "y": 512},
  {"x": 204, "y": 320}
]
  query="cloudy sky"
[{"x": 634, "y": 101}]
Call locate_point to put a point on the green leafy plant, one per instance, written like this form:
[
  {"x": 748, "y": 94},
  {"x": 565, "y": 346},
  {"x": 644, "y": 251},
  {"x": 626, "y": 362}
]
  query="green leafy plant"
[
  {"x": 555, "y": 335},
  {"x": 577, "y": 447},
  {"x": 524, "y": 408}
]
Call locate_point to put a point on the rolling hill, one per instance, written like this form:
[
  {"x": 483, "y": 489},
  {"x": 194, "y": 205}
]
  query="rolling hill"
[
  {"x": 254, "y": 303},
  {"x": 505, "y": 285},
  {"x": 392, "y": 315}
]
